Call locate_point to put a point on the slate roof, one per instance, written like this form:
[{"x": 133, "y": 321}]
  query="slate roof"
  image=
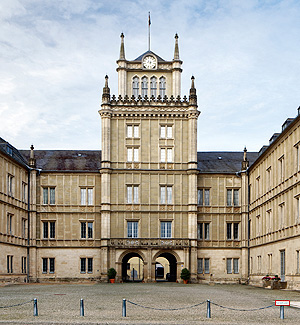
[
  {"x": 66, "y": 160},
  {"x": 159, "y": 59},
  {"x": 90, "y": 160},
  {"x": 223, "y": 161},
  {"x": 11, "y": 151}
]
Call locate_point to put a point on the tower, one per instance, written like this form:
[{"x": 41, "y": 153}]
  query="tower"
[{"x": 149, "y": 169}]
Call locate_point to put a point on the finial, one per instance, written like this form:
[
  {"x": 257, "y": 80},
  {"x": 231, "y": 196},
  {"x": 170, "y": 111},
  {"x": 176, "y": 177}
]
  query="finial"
[
  {"x": 176, "y": 50},
  {"x": 32, "y": 161},
  {"x": 245, "y": 154},
  {"x": 193, "y": 96},
  {"x": 122, "y": 48},
  {"x": 149, "y": 23},
  {"x": 245, "y": 162},
  {"x": 106, "y": 81},
  {"x": 106, "y": 90},
  {"x": 193, "y": 82}
]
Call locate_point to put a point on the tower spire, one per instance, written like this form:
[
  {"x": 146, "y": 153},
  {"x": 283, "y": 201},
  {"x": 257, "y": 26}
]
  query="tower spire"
[
  {"x": 149, "y": 23},
  {"x": 176, "y": 50},
  {"x": 122, "y": 48}
]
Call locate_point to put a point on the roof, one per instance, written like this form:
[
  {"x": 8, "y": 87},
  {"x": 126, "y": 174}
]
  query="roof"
[
  {"x": 66, "y": 160},
  {"x": 11, "y": 151},
  {"x": 223, "y": 161},
  {"x": 159, "y": 59}
]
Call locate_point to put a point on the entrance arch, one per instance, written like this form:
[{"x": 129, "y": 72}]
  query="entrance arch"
[
  {"x": 132, "y": 267},
  {"x": 165, "y": 267}
]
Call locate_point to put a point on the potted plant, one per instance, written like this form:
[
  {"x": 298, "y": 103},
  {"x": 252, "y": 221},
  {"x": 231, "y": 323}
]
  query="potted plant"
[
  {"x": 185, "y": 275},
  {"x": 266, "y": 281},
  {"x": 111, "y": 273}
]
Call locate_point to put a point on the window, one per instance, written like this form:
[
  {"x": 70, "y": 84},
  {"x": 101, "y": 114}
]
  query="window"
[
  {"x": 23, "y": 264},
  {"x": 204, "y": 199},
  {"x": 203, "y": 265},
  {"x": 297, "y": 210},
  {"x": 232, "y": 262},
  {"x": 281, "y": 169},
  {"x": 86, "y": 229},
  {"x": 48, "y": 261},
  {"x": 259, "y": 264},
  {"x": 298, "y": 262},
  {"x": 153, "y": 86},
  {"x": 24, "y": 192},
  {"x": 49, "y": 229},
  {"x": 132, "y": 229},
  {"x": 86, "y": 196},
  {"x": 200, "y": 265},
  {"x": 86, "y": 264},
  {"x": 269, "y": 179},
  {"x": 269, "y": 221},
  {"x": 162, "y": 86},
  {"x": 132, "y": 154},
  {"x": 132, "y": 131},
  {"x": 169, "y": 157},
  {"x": 144, "y": 86},
  {"x": 257, "y": 187},
  {"x": 166, "y": 131},
  {"x": 135, "y": 86},
  {"x": 9, "y": 259},
  {"x": 232, "y": 230},
  {"x": 203, "y": 227},
  {"x": 232, "y": 200},
  {"x": 206, "y": 265},
  {"x": 9, "y": 229},
  {"x": 298, "y": 157},
  {"x": 48, "y": 195},
  {"x": 10, "y": 185},
  {"x": 132, "y": 194},
  {"x": 258, "y": 230},
  {"x": 165, "y": 229},
  {"x": 269, "y": 263},
  {"x": 9, "y": 149},
  {"x": 24, "y": 226},
  {"x": 166, "y": 194},
  {"x": 200, "y": 231},
  {"x": 281, "y": 216}
]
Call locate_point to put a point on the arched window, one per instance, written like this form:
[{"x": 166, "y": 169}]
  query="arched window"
[
  {"x": 144, "y": 86},
  {"x": 162, "y": 86},
  {"x": 153, "y": 86},
  {"x": 135, "y": 86}
]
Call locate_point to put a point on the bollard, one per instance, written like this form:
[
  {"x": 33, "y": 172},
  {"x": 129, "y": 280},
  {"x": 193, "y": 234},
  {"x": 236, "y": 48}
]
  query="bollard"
[
  {"x": 81, "y": 307},
  {"x": 35, "y": 308},
  {"x": 124, "y": 308},
  {"x": 281, "y": 312},
  {"x": 208, "y": 312}
]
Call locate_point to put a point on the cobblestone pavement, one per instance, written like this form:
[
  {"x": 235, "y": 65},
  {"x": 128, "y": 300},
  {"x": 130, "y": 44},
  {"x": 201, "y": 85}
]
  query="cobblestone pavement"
[{"x": 59, "y": 304}]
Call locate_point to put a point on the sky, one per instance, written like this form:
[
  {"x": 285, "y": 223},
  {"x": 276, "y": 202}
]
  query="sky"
[{"x": 54, "y": 54}]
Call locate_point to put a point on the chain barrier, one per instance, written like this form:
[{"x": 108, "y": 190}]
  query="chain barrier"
[
  {"x": 22, "y": 303},
  {"x": 133, "y": 303},
  {"x": 213, "y": 303}
]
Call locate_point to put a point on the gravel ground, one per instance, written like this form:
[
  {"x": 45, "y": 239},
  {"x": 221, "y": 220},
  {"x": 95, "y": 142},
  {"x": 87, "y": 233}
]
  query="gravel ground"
[{"x": 59, "y": 304}]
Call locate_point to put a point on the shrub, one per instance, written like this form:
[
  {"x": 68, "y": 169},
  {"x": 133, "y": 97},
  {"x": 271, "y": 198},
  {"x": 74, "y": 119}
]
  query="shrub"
[{"x": 111, "y": 273}]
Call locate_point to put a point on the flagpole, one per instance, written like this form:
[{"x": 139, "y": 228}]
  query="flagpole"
[{"x": 149, "y": 23}]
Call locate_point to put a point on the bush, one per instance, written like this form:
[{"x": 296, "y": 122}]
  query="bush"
[
  {"x": 185, "y": 274},
  {"x": 111, "y": 273}
]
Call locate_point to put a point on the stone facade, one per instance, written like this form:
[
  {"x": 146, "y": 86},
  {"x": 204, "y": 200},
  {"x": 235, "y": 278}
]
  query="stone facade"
[{"x": 149, "y": 204}]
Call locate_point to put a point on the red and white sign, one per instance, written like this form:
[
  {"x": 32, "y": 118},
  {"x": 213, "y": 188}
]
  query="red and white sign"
[{"x": 282, "y": 302}]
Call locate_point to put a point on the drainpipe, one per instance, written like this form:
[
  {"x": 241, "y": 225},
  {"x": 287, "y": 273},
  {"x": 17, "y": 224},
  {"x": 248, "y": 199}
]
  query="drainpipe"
[
  {"x": 28, "y": 224},
  {"x": 248, "y": 225}
]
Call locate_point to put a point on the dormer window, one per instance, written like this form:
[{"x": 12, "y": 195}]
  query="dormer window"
[
  {"x": 153, "y": 86},
  {"x": 135, "y": 86},
  {"x": 162, "y": 86},
  {"x": 144, "y": 86}
]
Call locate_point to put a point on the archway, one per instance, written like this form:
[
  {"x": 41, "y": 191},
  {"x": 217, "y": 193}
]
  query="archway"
[
  {"x": 165, "y": 267},
  {"x": 132, "y": 268}
]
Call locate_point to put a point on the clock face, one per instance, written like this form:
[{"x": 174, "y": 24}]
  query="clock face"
[{"x": 149, "y": 62}]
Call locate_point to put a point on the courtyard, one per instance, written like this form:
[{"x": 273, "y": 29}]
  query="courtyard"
[{"x": 60, "y": 304}]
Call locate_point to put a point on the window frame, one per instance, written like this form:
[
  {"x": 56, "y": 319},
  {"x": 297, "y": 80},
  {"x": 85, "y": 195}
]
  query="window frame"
[
  {"x": 132, "y": 229},
  {"x": 165, "y": 229}
]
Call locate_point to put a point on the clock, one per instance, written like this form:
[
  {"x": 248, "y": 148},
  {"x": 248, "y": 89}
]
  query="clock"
[{"x": 149, "y": 62}]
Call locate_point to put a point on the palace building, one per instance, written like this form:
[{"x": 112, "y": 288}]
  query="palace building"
[{"x": 148, "y": 204}]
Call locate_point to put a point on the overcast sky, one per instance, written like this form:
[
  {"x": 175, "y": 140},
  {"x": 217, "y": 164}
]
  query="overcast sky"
[{"x": 54, "y": 54}]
